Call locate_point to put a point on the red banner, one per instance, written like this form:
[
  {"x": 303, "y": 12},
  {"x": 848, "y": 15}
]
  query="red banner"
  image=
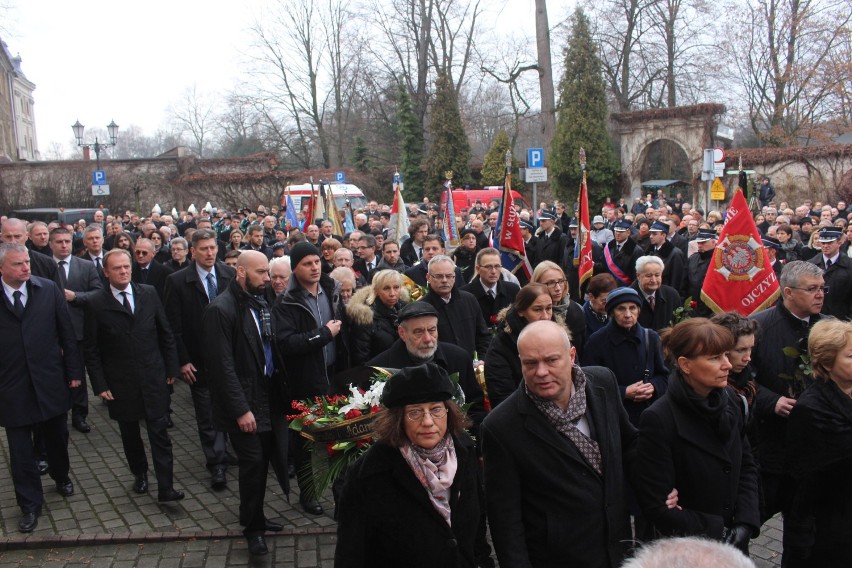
[
  {"x": 587, "y": 263},
  {"x": 740, "y": 277}
]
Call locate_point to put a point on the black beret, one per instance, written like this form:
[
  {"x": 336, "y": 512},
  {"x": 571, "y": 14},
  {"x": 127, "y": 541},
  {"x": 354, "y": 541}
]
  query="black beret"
[
  {"x": 465, "y": 232},
  {"x": 300, "y": 250},
  {"x": 416, "y": 310},
  {"x": 415, "y": 385}
]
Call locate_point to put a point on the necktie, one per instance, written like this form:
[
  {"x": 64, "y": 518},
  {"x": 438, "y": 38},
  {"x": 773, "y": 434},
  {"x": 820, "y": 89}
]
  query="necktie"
[
  {"x": 369, "y": 267},
  {"x": 63, "y": 278},
  {"x": 652, "y": 302},
  {"x": 98, "y": 263},
  {"x": 18, "y": 306},
  {"x": 491, "y": 294},
  {"x": 211, "y": 287},
  {"x": 126, "y": 303},
  {"x": 145, "y": 275},
  {"x": 420, "y": 254},
  {"x": 828, "y": 264}
]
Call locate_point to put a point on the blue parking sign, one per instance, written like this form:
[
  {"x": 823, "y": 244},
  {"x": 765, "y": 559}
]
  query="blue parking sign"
[
  {"x": 99, "y": 177},
  {"x": 340, "y": 177},
  {"x": 535, "y": 157}
]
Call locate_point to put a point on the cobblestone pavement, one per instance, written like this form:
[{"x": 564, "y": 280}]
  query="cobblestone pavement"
[{"x": 106, "y": 524}]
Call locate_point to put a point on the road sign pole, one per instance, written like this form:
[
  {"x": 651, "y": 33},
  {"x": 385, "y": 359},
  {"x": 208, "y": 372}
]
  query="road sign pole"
[{"x": 535, "y": 201}]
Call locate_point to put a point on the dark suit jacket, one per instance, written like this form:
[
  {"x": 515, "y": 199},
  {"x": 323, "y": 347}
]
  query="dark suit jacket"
[
  {"x": 40, "y": 356},
  {"x": 98, "y": 267},
  {"x": 83, "y": 279},
  {"x": 185, "y": 301},
  {"x": 506, "y": 292},
  {"x": 419, "y": 270},
  {"x": 546, "y": 506},
  {"x": 360, "y": 266},
  {"x": 666, "y": 301},
  {"x": 460, "y": 321},
  {"x": 130, "y": 355},
  {"x": 42, "y": 265},
  {"x": 157, "y": 274},
  {"x": 838, "y": 277}
]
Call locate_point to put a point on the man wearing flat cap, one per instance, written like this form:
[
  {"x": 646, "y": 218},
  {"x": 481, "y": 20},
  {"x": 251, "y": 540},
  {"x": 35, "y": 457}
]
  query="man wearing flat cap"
[
  {"x": 838, "y": 273},
  {"x": 417, "y": 326},
  {"x": 552, "y": 242},
  {"x": 696, "y": 271},
  {"x": 672, "y": 257}
]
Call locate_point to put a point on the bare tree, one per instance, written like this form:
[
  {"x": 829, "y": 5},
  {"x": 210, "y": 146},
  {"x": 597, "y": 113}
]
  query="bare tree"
[{"x": 195, "y": 114}]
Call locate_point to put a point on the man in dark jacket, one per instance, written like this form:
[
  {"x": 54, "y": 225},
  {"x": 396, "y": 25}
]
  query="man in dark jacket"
[
  {"x": 40, "y": 364},
  {"x": 306, "y": 332},
  {"x": 555, "y": 453},
  {"x": 460, "y": 320},
  {"x": 489, "y": 288},
  {"x": 245, "y": 387},
  {"x": 148, "y": 271},
  {"x": 659, "y": 301},
  {"x": 838, "y": 274},
  {"x": 132, "y": 359},
  {"x": 696, "y": 270},
  {"x": 673, "y": 258},
  {"x": 552, "y": 243},
  {"x": 188, "y": 292},
  {"x": 621, "y": 254},
  {"x": 787, "y": 324}
]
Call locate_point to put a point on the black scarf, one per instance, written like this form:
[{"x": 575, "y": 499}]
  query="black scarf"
[
  {"x": 261, "y": 306},
  {"x": 714, "y": 409}
]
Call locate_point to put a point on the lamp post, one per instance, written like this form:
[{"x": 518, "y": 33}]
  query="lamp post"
[{"x": 112, "y": 129}]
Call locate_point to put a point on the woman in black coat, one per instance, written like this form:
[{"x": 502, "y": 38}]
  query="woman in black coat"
[
  {"x": 693, "y": 440},
  {"x": 502, "y": 365},
  {"x": 372, "y": 311},
  {"x": 819, "y": 455},
  {"x": 414, "y": 498}
]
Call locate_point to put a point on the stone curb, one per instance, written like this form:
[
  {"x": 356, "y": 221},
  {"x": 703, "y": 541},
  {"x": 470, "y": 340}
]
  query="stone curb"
[{"x": 33, "y": 542}]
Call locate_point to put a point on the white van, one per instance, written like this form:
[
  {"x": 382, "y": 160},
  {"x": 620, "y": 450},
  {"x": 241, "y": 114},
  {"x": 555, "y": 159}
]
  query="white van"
[{"x": 342, "y": 193}]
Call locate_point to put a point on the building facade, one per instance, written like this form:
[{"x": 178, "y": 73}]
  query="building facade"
[{"x": 18, "y": 139}]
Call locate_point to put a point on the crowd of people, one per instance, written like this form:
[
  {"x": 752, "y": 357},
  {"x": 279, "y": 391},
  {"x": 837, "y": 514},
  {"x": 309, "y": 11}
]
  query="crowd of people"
[{"x": 603, "y": 421}]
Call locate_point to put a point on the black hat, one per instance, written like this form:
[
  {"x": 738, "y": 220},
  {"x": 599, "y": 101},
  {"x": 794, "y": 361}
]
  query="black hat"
[
  {"x": 772, "y": 242},
  {"x": 829, "y": 234},
  {"x": 300, "y": 250},
  {"x": 416, "y": 310},
  {"x": 660, "y": 226},
  {"x": 549, "y": 215},
  {"x": 620, "y": 296},
  {"x": 622, "y": 225},
  {"x": 415, "y": 385},
  {"x": 278, "y": 246},
  {"x": 465, "y": 232},
  {"x": 705, "y": 235}
]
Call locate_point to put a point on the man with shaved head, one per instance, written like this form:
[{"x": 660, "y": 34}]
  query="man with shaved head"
[
  {"x": 15, "y": 231},
  {"x": 238, "y": 330},
  {"x": 569, "y": 423}
]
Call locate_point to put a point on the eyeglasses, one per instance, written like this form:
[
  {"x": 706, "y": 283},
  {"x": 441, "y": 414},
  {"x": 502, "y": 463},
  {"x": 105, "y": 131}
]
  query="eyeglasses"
[
  {"x": 442, "y": 276},
  {"x": 142, "y": 253},
  {"x": 556, "y": 284},
  {"x": 490, "y": 266},
  {"x": 812, "y": 289},
  {"x": 418, "y": 414}
]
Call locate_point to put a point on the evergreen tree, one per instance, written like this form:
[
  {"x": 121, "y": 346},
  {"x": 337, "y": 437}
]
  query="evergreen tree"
[
  {"x": 411, "y": 132},
  {"x": 494, "y": 165},
  {"x": 359, "y": 156},
  {"x": 450, "y": 149},
  {"x": 582, "y": 121}
]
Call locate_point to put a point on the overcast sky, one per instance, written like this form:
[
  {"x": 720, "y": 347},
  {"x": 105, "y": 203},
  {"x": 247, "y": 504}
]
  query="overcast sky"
[{"x": 103, "y": 60}]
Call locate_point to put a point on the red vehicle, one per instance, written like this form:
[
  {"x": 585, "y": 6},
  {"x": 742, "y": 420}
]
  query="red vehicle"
[{"x": 467, "y": 198}]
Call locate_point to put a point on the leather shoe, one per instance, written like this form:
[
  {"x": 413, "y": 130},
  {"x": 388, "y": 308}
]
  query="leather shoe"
[
  {"x": 140, "y": 486},
  {"x": 65, "y": 488},
  {"x": 28, "y": 522},
  {"x": 257, "y": 545},
  {"x": 311, "y": 506},
  {"x": 170, "y": 495},
  {"x": 42, "y": 467},
  {"x": 272, "y": 527},
  {"x": 81, "y": 425},
  {"x": 219, "y": 480}
]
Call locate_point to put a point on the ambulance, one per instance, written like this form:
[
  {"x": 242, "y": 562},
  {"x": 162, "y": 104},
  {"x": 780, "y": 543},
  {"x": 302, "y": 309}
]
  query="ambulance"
[{"x": 344, "y": 193}]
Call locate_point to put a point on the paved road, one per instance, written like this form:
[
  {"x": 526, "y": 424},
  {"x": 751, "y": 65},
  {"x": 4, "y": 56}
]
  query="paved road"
[{"x": 105, "y": 524}]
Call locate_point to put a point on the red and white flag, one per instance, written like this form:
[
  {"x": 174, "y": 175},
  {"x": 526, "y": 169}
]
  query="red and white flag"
[
  {"x": 584, "y": 246},
  {"x": 740, "y": 277},
  {"x": 399, "y": 214}
]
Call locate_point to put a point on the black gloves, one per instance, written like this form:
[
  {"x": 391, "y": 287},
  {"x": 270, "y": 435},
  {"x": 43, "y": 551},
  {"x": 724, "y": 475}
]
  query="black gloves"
[{"x": 737, "y": 536}]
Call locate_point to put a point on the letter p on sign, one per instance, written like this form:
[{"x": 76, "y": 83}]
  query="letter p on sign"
[{"x": 535, "y": 158}]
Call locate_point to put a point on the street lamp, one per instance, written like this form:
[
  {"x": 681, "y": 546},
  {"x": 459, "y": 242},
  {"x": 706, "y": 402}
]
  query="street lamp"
[{"x": 112, "y": 129}]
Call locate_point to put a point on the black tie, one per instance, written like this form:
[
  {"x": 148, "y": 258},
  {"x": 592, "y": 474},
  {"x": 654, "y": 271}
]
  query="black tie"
[
  {"x": 18, "y": 306},
  {"x": 420, "y": 254},
  {"x": 126, "y": 303},
  {"x": 828, "y": 264},
  {"x": 98, "y": 263},
  {"x": 63, "y": 278},
  {"x": 145, "y": 275},
  {"x": 652, "y": 302},
  {"x": 211, "y": 287}
]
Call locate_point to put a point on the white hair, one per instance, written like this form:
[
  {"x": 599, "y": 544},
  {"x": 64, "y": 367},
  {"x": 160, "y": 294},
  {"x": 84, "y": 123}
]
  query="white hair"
[
  {"x": 644, "y": 261},
  {"x": 688, "y": 552}
]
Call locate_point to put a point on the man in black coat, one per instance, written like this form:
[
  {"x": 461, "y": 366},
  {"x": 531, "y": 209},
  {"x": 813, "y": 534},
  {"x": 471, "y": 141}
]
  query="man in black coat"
[
  {"x": 488, "y": 287},
  {"x": 838, "y": 274},
  {"x": 552, "y": 243},
  {"x": 188, "y": 292},
  {"x": 460, "y": 320},
  {"x": 367, "y": 261},
  {"x": 433, "y": 245},
  {"x": 696, "y": 270},
  {"x": 15, "y": 231},
  {"x": 40, "y": 364},
  {"x": 93, "y": 240},
  {"x": 148, "y": 271},
  {"x": 672, "y": 257},
  {"x": 132, "y": 359},
  {"x": 621, "y": 254},
  {"x": 79, "y": 281},
  {"x": 245, "y": 384},
  {"x": 658, "y": 300},
  {"x": 787, "y": 324},
  {"x": 555, "y": 458},
  {"x": 306, "y": 334}
]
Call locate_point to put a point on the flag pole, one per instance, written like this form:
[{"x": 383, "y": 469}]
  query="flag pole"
[{"x": 581, "y": 235}]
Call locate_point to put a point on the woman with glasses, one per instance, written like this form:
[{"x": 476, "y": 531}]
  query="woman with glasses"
[
  {"x": 413, "y": 499},
  {"x": 161, "y": 251},
  {"x": 565, "y": 310},
  {"x": 502, "y": 365}
]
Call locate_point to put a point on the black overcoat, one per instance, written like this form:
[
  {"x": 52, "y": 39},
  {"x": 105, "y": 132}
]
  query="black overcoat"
[
  {"x": 130, "y": 355},
  {"x": 547, "y": 507},
  {"x": 386, "y": 518}
]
